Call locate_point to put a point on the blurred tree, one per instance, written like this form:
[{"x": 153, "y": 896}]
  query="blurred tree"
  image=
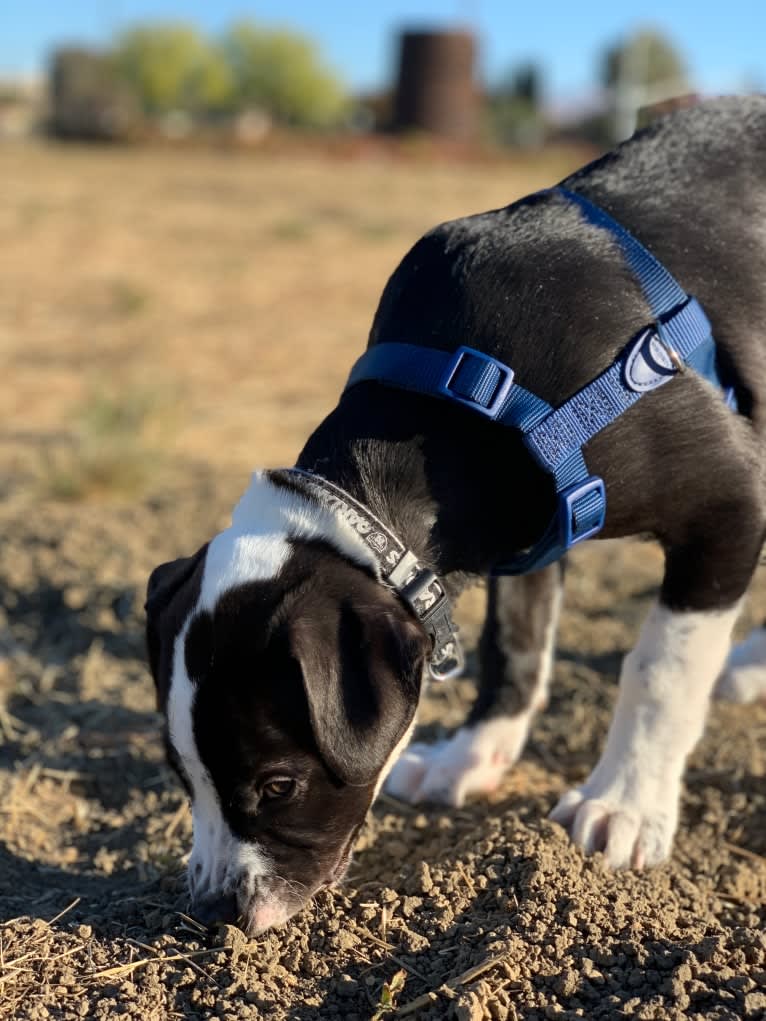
[
  {"x": 526, "y": 83},
  {"x": 172, "y": 67},
  {"x": 281, "y": 72},
  {"x": 515, "y": 114},
  {"x": 642, "y": 70}
]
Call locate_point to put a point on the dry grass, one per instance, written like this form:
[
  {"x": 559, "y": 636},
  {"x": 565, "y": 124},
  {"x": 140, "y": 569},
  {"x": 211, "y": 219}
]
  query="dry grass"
[
  {"x": 116, "y": 444},
  {"x": 242, "y": 286}
]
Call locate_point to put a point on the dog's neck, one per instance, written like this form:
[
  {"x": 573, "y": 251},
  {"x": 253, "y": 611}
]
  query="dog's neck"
[
  {"x": 387, "y": 476},
  {"x": 430, "y": 473},
  {"x": 265, "y": 522}
]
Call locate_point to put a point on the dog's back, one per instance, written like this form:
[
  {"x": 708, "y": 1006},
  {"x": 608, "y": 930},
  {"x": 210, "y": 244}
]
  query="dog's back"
[{"x": 691, "y": 187}]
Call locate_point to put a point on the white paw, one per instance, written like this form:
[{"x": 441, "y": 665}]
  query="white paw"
[
  {"x": 629, "y": 836},
  {"x": 403, "y": 782},
  {"x": 474, "y": 760},
  {"x": 744, "y": 677}
]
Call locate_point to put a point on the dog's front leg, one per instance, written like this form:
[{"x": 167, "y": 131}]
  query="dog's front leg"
[
  {"x": 516, "y": 655},
  {"x": 628, "y": 806}
]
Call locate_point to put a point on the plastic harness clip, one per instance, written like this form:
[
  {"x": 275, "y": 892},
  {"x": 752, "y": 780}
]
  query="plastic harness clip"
[
  {"x": 483, "y": 386},
  {"x": 582, "y": 510}
]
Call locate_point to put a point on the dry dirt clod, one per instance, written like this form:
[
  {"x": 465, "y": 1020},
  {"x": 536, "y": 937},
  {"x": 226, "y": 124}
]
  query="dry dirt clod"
[{"x": 468, "y": 1008}]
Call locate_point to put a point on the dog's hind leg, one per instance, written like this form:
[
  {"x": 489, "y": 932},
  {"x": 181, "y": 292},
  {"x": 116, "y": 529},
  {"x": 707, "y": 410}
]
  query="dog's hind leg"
[
  {"x": 744, "y": 676},
  {"x": 516, "y": 657}
]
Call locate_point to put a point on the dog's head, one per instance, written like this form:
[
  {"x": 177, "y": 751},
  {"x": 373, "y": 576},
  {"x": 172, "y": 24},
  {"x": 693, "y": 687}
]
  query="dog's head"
[{"x": 289, "y": 676}]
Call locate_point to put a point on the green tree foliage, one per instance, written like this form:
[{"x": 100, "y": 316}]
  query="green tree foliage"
[
  {"x": 281, "y": 72},
  {"x": 646, "y": 59},
  {"x": 173, "y": 67}
]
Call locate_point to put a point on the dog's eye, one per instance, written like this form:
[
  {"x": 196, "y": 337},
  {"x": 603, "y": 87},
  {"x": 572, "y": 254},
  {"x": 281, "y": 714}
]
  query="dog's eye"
[{"x": 279, "y": 787}]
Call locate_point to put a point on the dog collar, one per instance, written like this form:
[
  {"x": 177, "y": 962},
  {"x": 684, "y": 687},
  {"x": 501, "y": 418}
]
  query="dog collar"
[
  {"x": 679, "y": 337},
  {"x": 398, "y": 567}
]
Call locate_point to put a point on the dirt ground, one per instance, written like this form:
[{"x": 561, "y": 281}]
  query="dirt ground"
[{"x": 167, "y": 322}]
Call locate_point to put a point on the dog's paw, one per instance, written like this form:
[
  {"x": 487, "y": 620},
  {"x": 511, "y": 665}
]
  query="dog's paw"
[
  {"x": 474, "y": 760},
  {"x": 744, "y": 677},
  {"x": 628, "y": 836},
  {"x": 404, "y": 780}
]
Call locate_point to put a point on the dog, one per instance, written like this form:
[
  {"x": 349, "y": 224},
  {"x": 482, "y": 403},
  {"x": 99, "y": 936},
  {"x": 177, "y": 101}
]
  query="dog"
[{"x": 289, "y": 664}]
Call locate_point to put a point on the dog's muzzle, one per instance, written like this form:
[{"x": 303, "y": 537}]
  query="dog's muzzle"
[{"x": 271, "y": 903}]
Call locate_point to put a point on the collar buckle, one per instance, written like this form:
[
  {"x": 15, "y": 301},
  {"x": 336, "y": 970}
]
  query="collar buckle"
[{"x": 425, "y": 595}]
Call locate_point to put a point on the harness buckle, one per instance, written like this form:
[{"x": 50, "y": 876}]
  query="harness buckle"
[
  {"x": 582, "y": 510},
  {"x": 501, "y": 387}
]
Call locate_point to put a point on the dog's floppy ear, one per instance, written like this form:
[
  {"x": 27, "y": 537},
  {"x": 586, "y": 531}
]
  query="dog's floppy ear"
[
  {"x": 362, "y": 669},
  {"x": 167, "y": 579},
  {"x": 165, "y": 614}
]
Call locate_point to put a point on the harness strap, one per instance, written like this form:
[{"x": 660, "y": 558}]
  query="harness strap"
[
  {"x": 662, "y": 291},
  {"x": 679, "y": 337}
]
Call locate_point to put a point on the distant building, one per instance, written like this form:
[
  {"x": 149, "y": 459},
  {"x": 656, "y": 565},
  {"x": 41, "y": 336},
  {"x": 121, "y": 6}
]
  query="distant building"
[{"x": 87, "y": 101}]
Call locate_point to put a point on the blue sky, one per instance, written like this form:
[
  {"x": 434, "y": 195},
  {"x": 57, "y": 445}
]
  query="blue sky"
[{"x": 724, "y": 44}]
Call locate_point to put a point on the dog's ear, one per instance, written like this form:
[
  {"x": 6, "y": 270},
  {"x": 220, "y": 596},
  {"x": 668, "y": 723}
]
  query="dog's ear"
[
  {"x": 165, "y": 613},
  {"x": 167, "y": 579},
  {"x": 362, "y": 669}
]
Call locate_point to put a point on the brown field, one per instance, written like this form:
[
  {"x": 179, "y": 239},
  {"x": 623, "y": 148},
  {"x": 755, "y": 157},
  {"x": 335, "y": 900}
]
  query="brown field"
[{"x": 169, "y": 320}]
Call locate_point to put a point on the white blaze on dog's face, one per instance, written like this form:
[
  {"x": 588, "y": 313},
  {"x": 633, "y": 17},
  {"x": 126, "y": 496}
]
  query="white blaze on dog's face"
[{"x": 288, "y": 674}]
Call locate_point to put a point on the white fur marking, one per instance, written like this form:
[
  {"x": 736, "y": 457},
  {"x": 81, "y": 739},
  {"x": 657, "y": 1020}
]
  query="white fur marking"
[
  {"x": 628, "y": 807},
  {"x": 257, "y": 544},
  {"x": 521, "y": 662},
  {"x": 216, "y": 851},
  {"x": 473, "y": 760},
  {"x": 393, "y": 760},
  {"x": 264, "y": 522}
]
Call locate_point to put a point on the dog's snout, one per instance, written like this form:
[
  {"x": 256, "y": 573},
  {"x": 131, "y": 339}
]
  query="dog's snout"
[{"x": 216, "y": 908}]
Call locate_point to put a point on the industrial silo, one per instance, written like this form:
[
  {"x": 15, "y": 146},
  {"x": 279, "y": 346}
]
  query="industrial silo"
[{"x": 435, "y": 89}]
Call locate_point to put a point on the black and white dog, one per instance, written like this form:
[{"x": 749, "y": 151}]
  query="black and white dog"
[{"x": 289, "y": 670}]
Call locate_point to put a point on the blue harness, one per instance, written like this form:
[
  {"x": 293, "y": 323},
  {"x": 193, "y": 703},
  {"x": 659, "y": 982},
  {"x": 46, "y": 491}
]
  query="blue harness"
[{"x": 679, "y": 336}]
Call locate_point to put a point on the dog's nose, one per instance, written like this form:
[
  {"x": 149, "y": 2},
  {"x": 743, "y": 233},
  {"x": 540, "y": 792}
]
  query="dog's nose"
[{"x": 220, "y": 908}]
